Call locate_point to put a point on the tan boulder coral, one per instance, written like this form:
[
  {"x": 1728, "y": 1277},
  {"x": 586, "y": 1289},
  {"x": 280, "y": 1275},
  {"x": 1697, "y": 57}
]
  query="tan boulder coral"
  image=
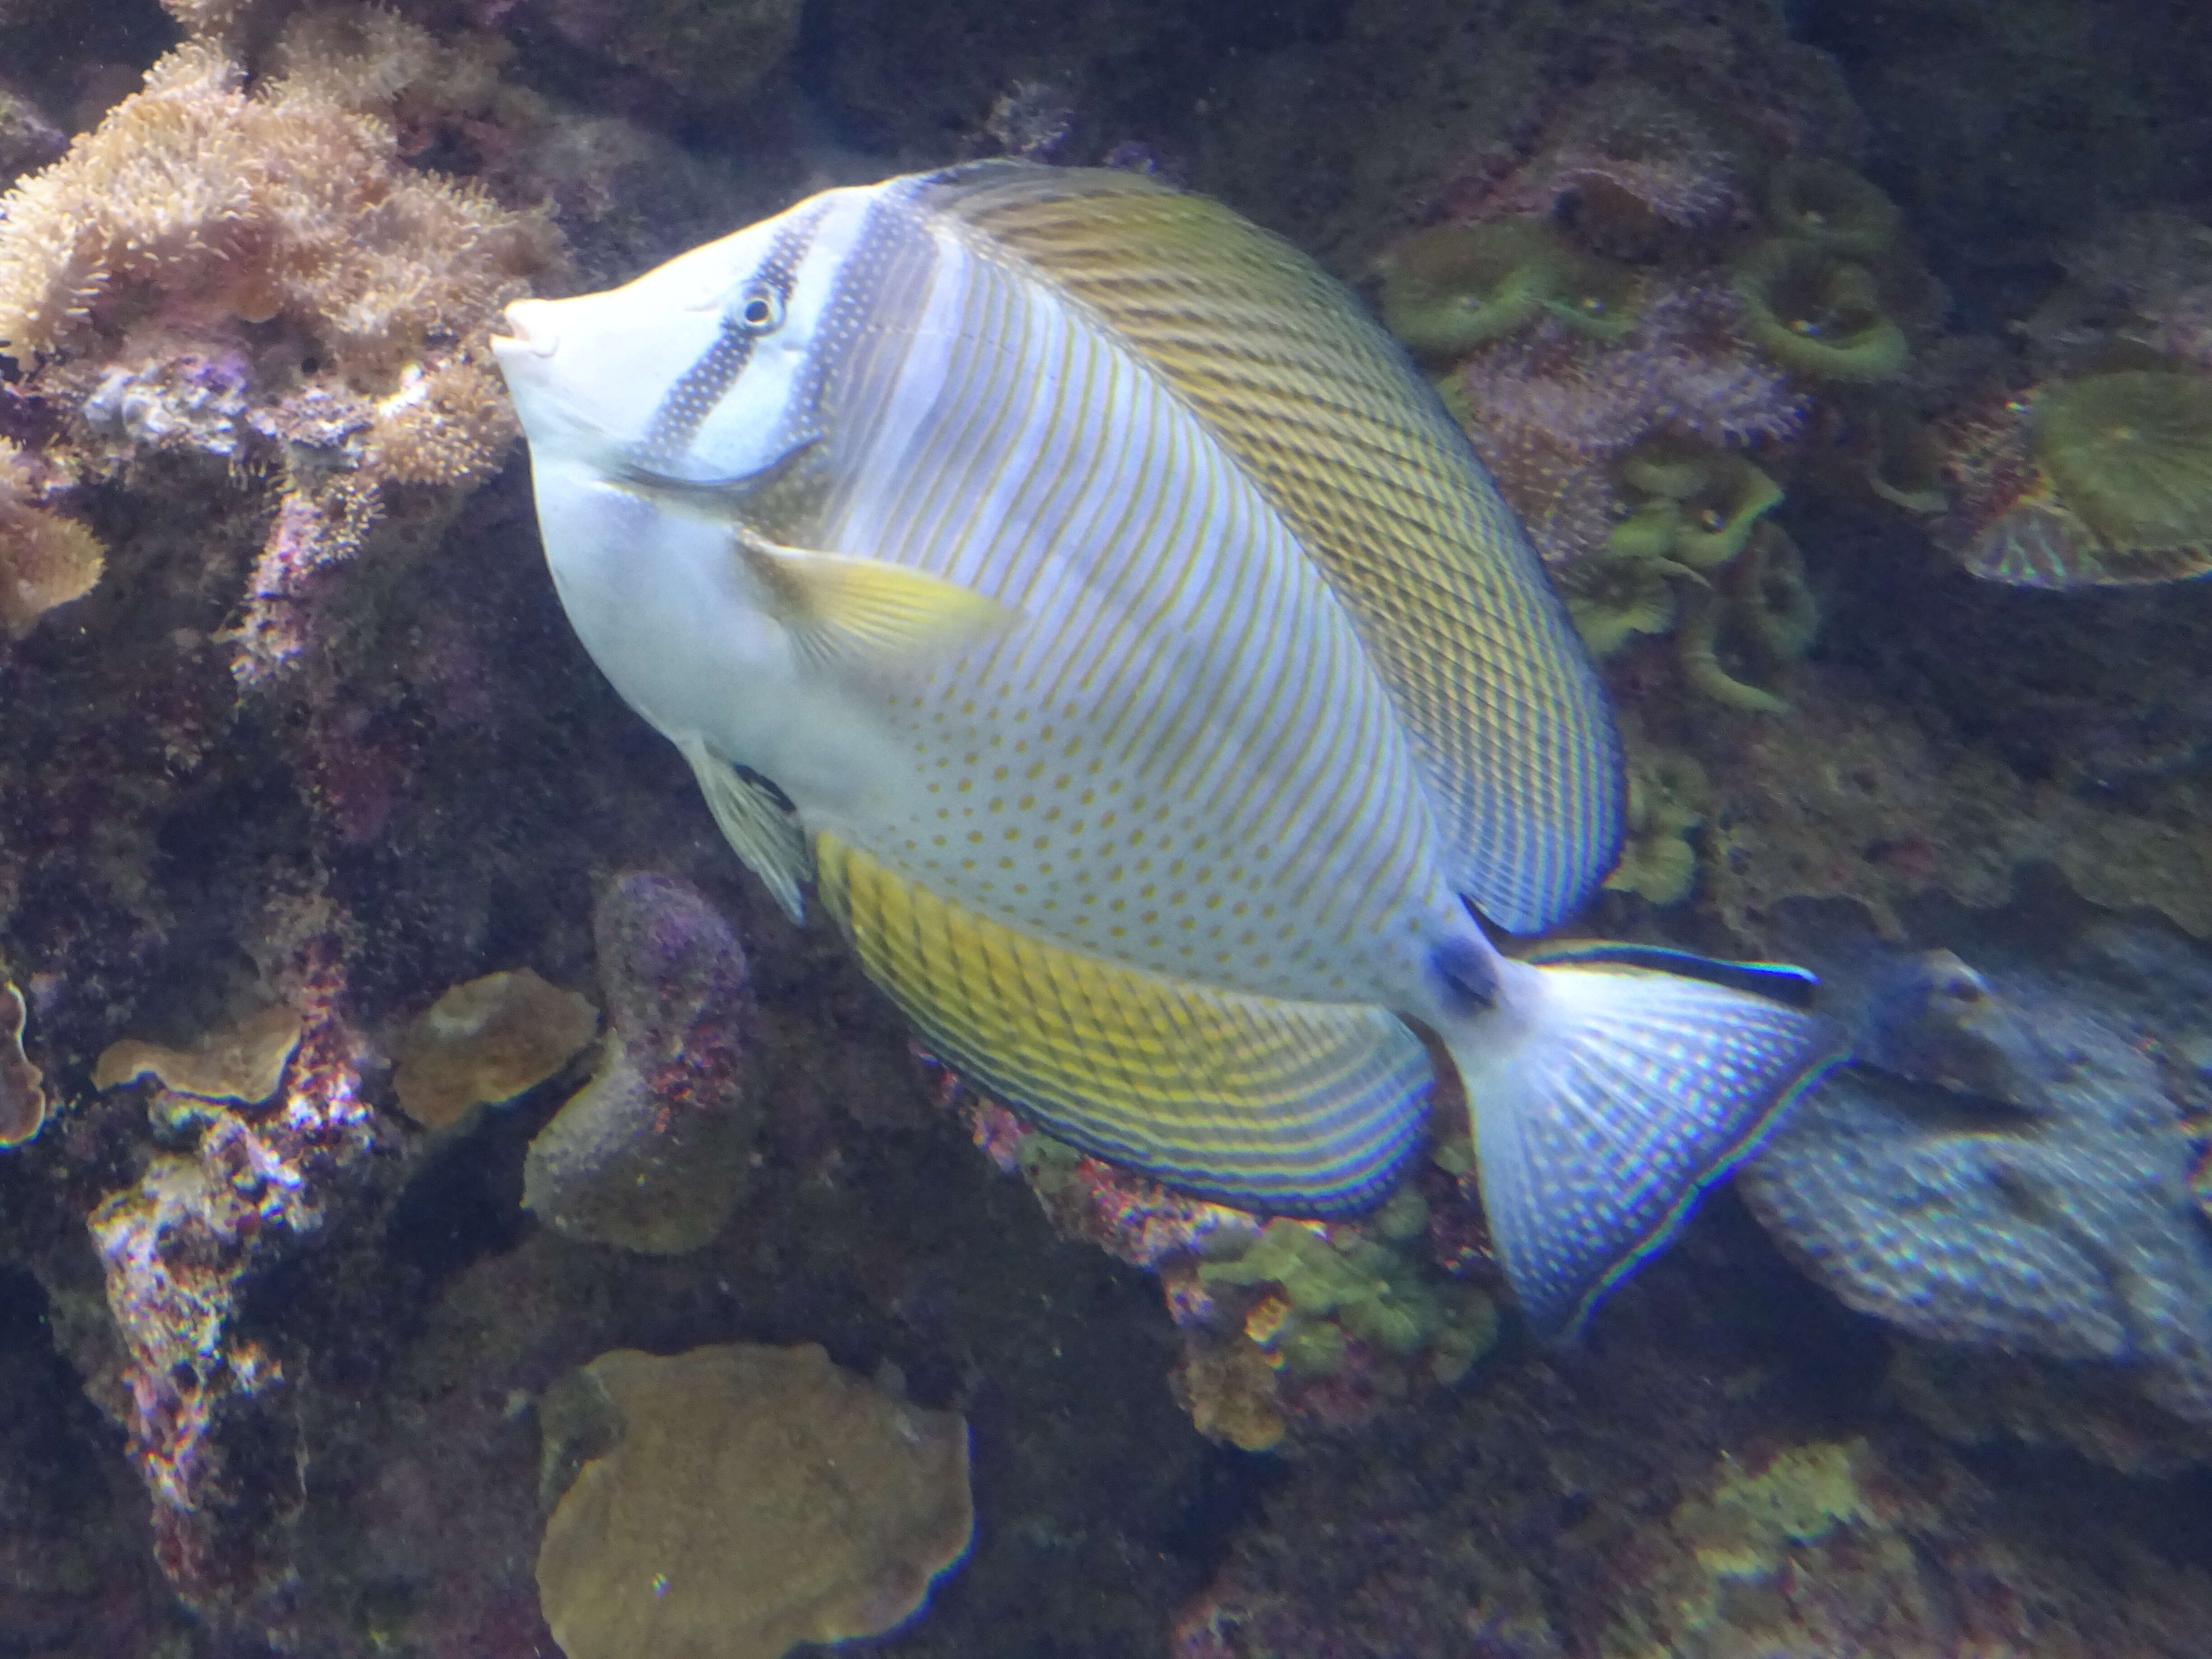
[
  {"x": 488, "y": 1040},
  {"x": 735, "y": 1501}
]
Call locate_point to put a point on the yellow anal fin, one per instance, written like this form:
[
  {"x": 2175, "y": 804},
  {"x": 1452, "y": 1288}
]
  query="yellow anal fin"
[
  {"x": 1294, "y": 1108},
  {"x": 760, "y": 830},
  {"x": 841, "y": 609}
]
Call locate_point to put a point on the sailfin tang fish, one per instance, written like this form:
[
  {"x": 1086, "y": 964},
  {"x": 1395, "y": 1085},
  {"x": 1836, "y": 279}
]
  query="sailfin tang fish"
[{"x": 1070, "y": 581}]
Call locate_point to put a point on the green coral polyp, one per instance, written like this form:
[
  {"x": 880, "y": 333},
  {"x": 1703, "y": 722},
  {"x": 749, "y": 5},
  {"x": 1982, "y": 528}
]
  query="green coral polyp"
[
  {"x": 1600, "y": 299},
  {"x": 2132, "y": 453},
  {"x": 1449, "y": 289},
  {"x": 1826, "y": 203},
  {"x": 1361, "y": 1289},
  {"x": 1668, "y": 797},
  {"x": 1813, "y": 309},
  {"x": 1717, "y": 499},
  {"x": 1612, "y": 600},
  {"x": 1773, "y": 603}
]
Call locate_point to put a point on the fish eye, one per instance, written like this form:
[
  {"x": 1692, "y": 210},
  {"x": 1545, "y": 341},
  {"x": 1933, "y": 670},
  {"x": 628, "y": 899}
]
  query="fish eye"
[{"x": 758, "y": 309}]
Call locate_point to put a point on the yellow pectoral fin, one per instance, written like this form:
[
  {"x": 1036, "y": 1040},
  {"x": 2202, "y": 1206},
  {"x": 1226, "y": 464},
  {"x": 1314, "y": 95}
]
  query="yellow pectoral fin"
[
  {"x": 1297, "y": 1107},
  {"x": 841, "y": 609}
]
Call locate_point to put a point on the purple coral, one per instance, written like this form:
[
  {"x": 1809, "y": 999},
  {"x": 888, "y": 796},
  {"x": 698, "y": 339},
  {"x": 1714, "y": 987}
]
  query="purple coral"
[
  {"x": 1631, "y": 141},
  {"x": 654, "y": 1152},
  {"x": 1549, "y": 408}
]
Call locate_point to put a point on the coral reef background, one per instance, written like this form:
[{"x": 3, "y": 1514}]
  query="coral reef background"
[{"x": 1778, "y": 323}]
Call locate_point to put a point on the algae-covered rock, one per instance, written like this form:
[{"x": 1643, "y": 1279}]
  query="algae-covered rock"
[
  {"x": 2002, "y": 1168},
  {"x": 653, "y": 1152},
  {"x": 732, "y": 1502}
]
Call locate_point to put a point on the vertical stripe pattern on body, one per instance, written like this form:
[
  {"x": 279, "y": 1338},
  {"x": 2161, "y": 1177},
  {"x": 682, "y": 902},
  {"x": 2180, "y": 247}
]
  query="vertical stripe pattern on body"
[
  {"x": 1318, "y": 406},
  {"x": 1187, "y": 727}
]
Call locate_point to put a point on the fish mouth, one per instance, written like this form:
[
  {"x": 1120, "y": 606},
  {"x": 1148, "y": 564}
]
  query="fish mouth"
[{"x": 529, "y": 328}]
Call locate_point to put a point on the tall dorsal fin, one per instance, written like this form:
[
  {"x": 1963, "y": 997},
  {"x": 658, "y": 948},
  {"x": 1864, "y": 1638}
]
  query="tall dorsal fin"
[{"x": 1320, "y": 408}]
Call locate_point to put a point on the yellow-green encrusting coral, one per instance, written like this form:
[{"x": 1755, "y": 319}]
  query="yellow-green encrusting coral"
[
  {"x": 1447, "y": 289},
  {"x": 2132, "y": 453},
  {"x": 1818, "y": 309},
  {"x": 1725, "y": 1543},
  {"x": 1826, "y": 203},
  {"x": 1338, "y": 1287},
  {"x": 1669, "y": 796}
]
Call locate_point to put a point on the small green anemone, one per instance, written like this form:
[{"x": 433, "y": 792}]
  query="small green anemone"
[
  {"x": 2132, "y": 453},
  {"x": 1717, "y": 497},
  {"x": 1826, "y": 203},
  {"x": 1669, "y": 796},
  {"x": 1447, "y": 289},
  {"x": 1901, "y": 460},
  {"x": 1614, "y": 600},
  {"x": 1815, "y": 310},
  {"x": 1762, "y": 607},
  {"x": 1599, "y": 297},
  {"x": 1771, "y": 603}
]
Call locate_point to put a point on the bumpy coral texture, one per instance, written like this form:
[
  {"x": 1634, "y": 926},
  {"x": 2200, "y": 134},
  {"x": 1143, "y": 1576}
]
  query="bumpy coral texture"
[
  {"x": 281, "y": 202},
  {"x": 735, "y": 1501},
  {"x": 2004, "y": 1169},
  {"x": 653, "y": 1153}
]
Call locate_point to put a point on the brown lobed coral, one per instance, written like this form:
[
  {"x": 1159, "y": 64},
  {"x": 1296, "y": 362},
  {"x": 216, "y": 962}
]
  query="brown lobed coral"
[
  {"x": 485, "y": 1041},
  {"x": 732, "y": 1502},
  {"x": 23, "y": 1094},
  {"x": 45, "y": 559}
]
